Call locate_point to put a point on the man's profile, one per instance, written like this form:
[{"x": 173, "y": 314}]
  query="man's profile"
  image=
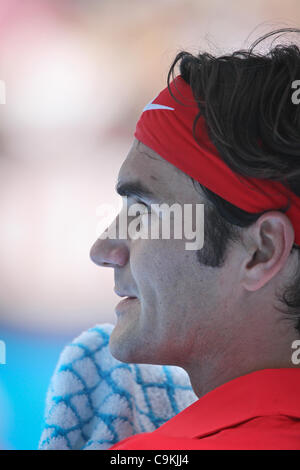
[{"x": 225, "y": 133}]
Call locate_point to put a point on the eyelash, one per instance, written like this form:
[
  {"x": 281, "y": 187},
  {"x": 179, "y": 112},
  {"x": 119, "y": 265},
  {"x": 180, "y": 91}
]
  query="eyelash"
[
  {"x": 141, "y": 202},
  {"x": 141, "y": 215}
]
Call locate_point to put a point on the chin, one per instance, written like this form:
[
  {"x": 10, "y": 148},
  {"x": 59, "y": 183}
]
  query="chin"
[
  {"x": 122, "y": 347},
  {"x": 125, "y": 346}
]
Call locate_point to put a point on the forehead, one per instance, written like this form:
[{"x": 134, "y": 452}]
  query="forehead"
[{"x": 145, "y": 165}]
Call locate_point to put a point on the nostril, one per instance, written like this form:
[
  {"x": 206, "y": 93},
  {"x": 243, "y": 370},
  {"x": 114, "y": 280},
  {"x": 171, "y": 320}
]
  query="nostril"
[
  {"x": 104, "y": 254},
  {"x": 96, "y": 255},
  {"x": 119, "y": 256}
]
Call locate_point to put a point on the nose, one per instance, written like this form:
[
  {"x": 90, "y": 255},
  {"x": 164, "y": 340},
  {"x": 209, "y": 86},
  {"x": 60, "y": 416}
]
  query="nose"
[{"x": 109, "y": 253}]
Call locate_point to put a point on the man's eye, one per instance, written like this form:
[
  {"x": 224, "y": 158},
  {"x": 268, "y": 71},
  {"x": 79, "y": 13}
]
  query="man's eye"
[
  {"x": 145, "y": 208},
  {"x": 143, "y": 211},
  {"x": 143, "y": 204}
]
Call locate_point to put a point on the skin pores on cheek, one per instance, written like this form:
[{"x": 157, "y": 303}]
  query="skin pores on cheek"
[
  {"x": 161, "y": 269},
  {"x": 175, "y": 293}
]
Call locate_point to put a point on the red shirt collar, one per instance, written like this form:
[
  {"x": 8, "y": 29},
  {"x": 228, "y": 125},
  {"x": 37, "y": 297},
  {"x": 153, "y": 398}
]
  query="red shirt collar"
[{"x": 260, "y": 393}]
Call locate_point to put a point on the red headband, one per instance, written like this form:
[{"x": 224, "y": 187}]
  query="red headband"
[{"x": 166, "y": 126}]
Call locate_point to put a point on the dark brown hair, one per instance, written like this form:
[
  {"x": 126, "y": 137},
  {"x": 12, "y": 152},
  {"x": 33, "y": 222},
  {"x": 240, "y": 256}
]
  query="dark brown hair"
[{"x": 246, "y": 98}]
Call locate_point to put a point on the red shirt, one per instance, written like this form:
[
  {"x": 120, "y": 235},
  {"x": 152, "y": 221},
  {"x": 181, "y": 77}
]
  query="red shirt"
[{"x": 260, "y": 410}]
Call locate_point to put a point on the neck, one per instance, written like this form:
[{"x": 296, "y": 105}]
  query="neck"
[{"x": 239, "y": 357}]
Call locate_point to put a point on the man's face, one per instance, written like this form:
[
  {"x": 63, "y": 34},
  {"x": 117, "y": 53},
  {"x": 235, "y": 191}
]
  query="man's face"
[{"x": 177, "y": 300}]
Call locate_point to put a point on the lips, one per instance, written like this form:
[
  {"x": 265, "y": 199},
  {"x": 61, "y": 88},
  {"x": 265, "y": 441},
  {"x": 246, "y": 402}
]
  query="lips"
[
  {"x": 124, "y": 294},
  {"x": 125, "y": 304}
]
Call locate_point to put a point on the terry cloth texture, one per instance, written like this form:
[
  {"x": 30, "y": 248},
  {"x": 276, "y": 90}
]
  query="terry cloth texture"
[{"x": 95, "y": 401}]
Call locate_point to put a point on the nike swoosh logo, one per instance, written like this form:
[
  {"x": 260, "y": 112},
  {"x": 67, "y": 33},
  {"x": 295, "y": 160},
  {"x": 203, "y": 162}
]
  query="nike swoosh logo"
[{"x": 151, "y": 105}]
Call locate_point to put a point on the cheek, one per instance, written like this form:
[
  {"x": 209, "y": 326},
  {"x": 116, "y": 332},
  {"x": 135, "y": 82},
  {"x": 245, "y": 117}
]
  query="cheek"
[
  {"x": 160, "y": 266},
  {"x": 146, "y": 262}
]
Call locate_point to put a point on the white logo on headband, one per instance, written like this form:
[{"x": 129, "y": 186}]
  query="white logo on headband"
[{"x": 151, "y": 105}]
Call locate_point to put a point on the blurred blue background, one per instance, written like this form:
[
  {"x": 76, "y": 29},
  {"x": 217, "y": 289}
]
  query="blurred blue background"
[{"x": 30, "y": 362}]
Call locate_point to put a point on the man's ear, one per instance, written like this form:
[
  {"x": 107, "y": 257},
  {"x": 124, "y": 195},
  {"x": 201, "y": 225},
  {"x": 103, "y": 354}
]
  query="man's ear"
[{"x": 268, "y": 243}]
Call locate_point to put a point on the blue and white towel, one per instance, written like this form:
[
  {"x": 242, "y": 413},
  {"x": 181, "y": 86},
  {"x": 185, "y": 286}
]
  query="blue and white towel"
[{"x": 95, "y": 401}]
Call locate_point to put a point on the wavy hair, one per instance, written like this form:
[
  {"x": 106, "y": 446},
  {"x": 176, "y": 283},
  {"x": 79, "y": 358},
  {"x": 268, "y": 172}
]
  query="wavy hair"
[{"x": 246, "y": 97}]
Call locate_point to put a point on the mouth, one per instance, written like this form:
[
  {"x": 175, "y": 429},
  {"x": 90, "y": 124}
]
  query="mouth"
[
  {"x": 123, "y": 294},
  {"x": 125, "y": 303}
]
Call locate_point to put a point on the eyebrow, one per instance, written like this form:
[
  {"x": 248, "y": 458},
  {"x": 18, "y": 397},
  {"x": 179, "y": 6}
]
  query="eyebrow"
[{"x": 136, "y": 188}]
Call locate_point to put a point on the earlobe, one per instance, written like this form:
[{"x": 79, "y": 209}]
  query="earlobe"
[
  {"x": 255, "y": 273},
  {"x": 271, "y": 239}
]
